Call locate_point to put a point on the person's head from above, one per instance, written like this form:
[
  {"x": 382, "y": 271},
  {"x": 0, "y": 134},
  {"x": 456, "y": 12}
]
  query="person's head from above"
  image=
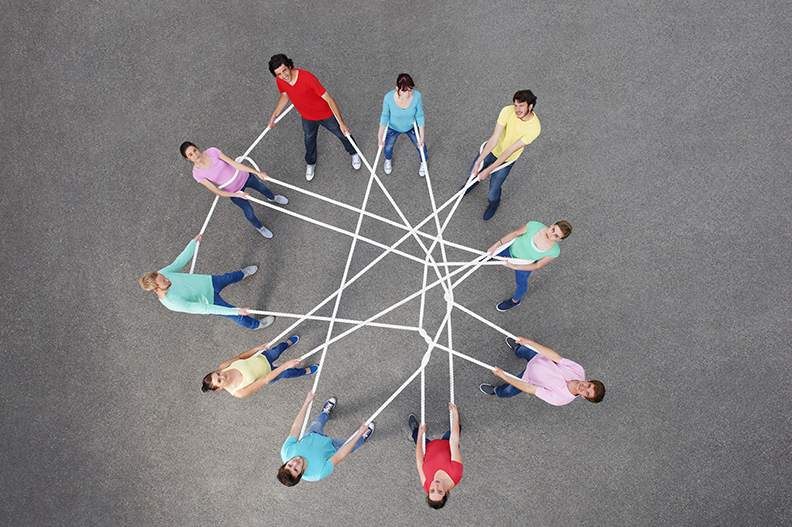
[
  {"x": 438, "y": 494},
  {"x": 214, "y": 381},
  {"x": 190, "y": 152},
  {"x": 291, "y": 472},
  {"x": 524, "y": 102},
  {"x": 592, "y": 391},
  {"x": 559, "y": 230},
  {"x": 404, "y": 85},
  {"x": 281, "y": 66},
  {"x": 154, "y": 281}
]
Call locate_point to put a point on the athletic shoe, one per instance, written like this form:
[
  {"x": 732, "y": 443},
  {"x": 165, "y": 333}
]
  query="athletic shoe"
[
  {"x": 249, "y": 271},
  {"x": 313, "y": 369},
  {"x": 511, "y": 342},
  {"x": 309, "y": 172},
  {"x": 422, "y": 170},
  {"x": 413, "y": 422},
  {"x": 490, "y": 212},
  {"x": 265, "y": 322},
  {"x": 487, "y": 389},
  {"x": 329, "y": 405},
  {"x": 356, "y": 161},
  {"x": 265, "y": 232},
  {"x": 388, "y": 166},
  {"x": 281, "y": 200},
  {"x": 368, "y": 432},
  {"x": 293, "y": 340},
  {"x": 506, "y": 305}
]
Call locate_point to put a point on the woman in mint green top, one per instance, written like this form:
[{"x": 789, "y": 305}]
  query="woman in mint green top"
[
  {"x": 400, "y": 108},
  {"x": 249, "y": 371},
  {"x": 534, "y": 242}
]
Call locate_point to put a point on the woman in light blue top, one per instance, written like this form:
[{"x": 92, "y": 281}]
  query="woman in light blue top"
[{"x": 400, "y": 108}]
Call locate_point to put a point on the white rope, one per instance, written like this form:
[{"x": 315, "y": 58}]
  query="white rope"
[{"x": 504, "y": 165}]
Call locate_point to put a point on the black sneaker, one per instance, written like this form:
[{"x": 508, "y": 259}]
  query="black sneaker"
[
  {"x": 487, "y": 389},
  {"x": 511, "y": 343},
  {"x": 329, "y": 405},
  {"x": 413, "y": 422},
  {"x": 506, "y": 305}
]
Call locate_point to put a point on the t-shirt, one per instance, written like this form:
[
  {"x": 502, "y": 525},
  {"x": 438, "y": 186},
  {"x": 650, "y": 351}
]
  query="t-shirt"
[
  {"x": 438, "y": 457},
  {"x": 550, "y": 378},
  {"x": 317, "y": 451},
  {"x": 191, "y": 293},
  {"x": 220, "y": 172},
  {"x": 251, "y": 369},
  {"x": 524, "y": 248},
  {"x": 306, "y": 96},
  {"x": 515, "y": 130},
  {"x": 401, "y": 119}
]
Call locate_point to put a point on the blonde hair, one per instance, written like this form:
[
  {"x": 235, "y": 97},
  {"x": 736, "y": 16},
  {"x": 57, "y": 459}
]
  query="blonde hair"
[{"x": 148, "y": 281}]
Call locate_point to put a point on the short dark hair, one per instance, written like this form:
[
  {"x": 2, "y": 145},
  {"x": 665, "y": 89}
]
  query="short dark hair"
[
  {"x": 276, "y": 61},
  {"x": 184, "y": 146},
  {"x": 208, "y": 385},
  {"x": 439, "y": 504},
  {"x": 286, "y": 477},
  {"x": 599, "y": 392},
  {"x": 566, "y": 228},
  {"x": 525, "y": 96},
  {"x": 404, "y": 81}
]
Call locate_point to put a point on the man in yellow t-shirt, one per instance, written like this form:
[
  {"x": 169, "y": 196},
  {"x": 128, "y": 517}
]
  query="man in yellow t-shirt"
[{"x": 517, "y": 126}]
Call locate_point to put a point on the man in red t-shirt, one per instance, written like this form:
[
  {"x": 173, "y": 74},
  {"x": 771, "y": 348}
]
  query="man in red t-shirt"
[{"x": 316, "y": 106}]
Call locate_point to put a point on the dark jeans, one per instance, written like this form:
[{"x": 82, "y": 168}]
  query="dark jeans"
[
  {"x": 521, "y": 277},
  {"x": 256, "y": 184},
  {"x": 496, "y": 180},
  {"x": 317, "y": 427},
  {"x": 310, "y": 128},
  {"x": 273, "y": 354},
  {"x": 220, "y": 282},
  {"x": 507, "y": 390}
]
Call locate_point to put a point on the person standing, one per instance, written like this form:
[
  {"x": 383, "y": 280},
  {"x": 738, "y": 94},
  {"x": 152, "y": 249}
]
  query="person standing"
[
  {"x": 316, "y": 106},
  {"x": 517, "y": 126},
  {"x": 441, "y": 468},
  {"x": 401, "y": 108}
]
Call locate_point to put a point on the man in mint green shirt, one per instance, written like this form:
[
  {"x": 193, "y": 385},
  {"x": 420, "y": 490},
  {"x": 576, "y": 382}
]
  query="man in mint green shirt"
[{"x": 199, "y": 293}]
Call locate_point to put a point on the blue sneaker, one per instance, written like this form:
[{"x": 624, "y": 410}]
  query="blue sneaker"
[
  {"x": 413, "y": 422},
  {"x": 490, "y": 212},
  {"x": 506, "y": 305},
  {"x": 313, "y": 369},
  {"x": 368, "y": 432},
  {"x": 329, "y": 405},
  {"x": 293, "y": 341}
]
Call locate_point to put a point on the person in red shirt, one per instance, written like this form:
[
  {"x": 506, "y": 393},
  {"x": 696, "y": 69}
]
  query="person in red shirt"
[
  {"x": 441, "y": 469},
  {"x": 316, "y": 106}
]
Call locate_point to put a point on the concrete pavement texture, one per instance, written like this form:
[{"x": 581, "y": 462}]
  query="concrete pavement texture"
[{"x": 665, "y": 143}]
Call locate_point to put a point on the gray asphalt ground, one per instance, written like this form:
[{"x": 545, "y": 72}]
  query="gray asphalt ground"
[{"x": 665, "y": 142}]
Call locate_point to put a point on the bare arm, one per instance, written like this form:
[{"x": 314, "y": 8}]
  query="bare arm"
[
  {"x": 241, "y": 167},
  {"x": 493, "y": 140},
  {"x": 532, "y": 266},
  {"x": 453, "y": 440},
  {"x": 501, "y": 159},
  {"x": 297, "y": 425},
  {"x": 334, "y": 107},
  {"x": 268, "y": 378},
  {"x": 282, "y": 102},
  {"x": 544, "y": 350},
  {"x": 509, "y": 237},
  {"x": 244, "y": 355},
  {"x": 517, "y": 383},
  {"x": 419, "y": 455},
  {"x": 223, "y": 193},
  {"x": 344, "y": 451}
]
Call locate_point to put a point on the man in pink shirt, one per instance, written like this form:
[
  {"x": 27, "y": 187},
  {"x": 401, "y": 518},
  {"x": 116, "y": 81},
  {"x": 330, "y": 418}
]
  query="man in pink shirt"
[
  {"x": 547, "y": 375},
  {"x": 315, "y": 105}
]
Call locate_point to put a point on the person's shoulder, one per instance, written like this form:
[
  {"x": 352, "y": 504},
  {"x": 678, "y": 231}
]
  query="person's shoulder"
[{"x": 213, "y": 152}]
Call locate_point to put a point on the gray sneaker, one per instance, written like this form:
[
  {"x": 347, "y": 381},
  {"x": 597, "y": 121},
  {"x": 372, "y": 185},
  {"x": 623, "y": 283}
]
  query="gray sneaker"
[
  {"x": 281, "y": 200},
  {"x": 309, "y": 172},
  {"x": 265, "y": 232},
  {"x": 329, "y": 405},
  {"x": 512, "y": 343},
  {"x": 388, "y": 166},
  {"x": 356, "y": 161},
  {"x": 249, "y": 271},
  {"x": 422, "y": 170},
  {"x": 265, "y": 322},
  {"x": 413, "y": 422},
  {"x": 487, "y": 389}
]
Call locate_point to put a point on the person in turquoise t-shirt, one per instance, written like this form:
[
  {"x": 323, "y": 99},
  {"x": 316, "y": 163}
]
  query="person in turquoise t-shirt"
[
  {"x": 315, "y": 455},
  {"x": 534, "y": 242},
  {"x": 199, "y": 293},
  {"x": 402, "y": 110}
]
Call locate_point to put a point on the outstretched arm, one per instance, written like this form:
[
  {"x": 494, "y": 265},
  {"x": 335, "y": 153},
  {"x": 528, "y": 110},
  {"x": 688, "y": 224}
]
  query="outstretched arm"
[
  {"x": 544, "y": 350},
  {"x": 254, "y": 386},
  {"x": 223, "y": 193},
  {"x": 493, "y": 140},
  {"x": 334, "y": 107},
  {"x": 517, "y": 383},
  {"x": 419, "y": 455},
  {"x": 453, "y": 441},
  {"x": 282, "y": 102},
  {"x": 348, "y": 446},
  {"x": 297, "y": 425},
  {"x": 242, "y": 168},
  {"x": 509, "y": 237},
  {"x": 501, "y": 159}
]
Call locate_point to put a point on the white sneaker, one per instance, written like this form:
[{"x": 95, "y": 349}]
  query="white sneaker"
[
  {"x": 388, "y": 166},
  {"x": 280, "y": 199},
  {"x": 265, "y": 232},
  {"x": 266, "y": 321},
  {"x": 422, "y": 170},
  {"x": 309, "y": 172},
  {"x": 249, "y": 271},
  {"x": 356, "y": 161}
]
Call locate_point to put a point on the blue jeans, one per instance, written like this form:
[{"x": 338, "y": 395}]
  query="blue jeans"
[
  {"x": 220, "y": 282},
  {"x": 390, "y": 140},
  {"x": 310, "y": 128},
  {"x": 507, "y": 390},
  {"x": 256, "y": 184},
  {"x": 273, "y": 354},
  {"x": 318, "y": 425},
  {"x": 496, "y": 180},
  {"x": 445, "y": 437},
  {"x": 521, "y": 277}
]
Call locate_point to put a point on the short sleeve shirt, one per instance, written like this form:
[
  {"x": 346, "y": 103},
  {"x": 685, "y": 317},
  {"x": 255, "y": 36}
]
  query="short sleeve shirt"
[
  {"x": 515, "y": 129},
  {"x": 219, "y": 172},
  {"x": 306, "y": 96},
  {"x": 524, "y": 248},
  {"x": 550, "y": 378},
  {"x": 317, "y": 451}
]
